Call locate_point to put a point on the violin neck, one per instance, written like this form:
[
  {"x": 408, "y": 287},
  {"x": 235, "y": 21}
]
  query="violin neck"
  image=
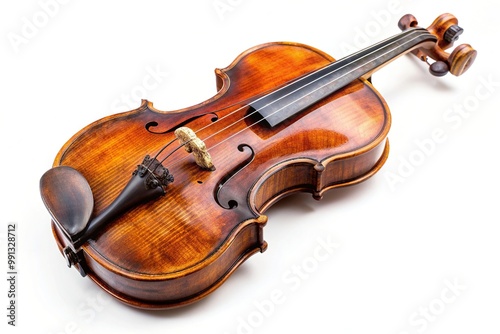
[{"x": 301, "y": 93}]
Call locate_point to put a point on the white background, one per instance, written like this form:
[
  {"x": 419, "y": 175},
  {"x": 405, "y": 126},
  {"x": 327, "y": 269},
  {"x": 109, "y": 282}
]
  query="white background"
[{"x": 401, "y": 245}]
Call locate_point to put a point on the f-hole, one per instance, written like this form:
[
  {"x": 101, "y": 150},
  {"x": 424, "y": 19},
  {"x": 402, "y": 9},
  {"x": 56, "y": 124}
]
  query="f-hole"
[
  {"x": 151, "y": 126},
  {"x": 223, "y": 193}
]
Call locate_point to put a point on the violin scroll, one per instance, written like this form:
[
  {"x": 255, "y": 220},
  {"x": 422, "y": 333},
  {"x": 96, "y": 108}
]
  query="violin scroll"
[{"x": 446, "y": 29}]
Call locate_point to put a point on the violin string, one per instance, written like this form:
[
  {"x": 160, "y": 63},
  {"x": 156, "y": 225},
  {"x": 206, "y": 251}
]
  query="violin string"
[
  {"x": 260, "y": 120},
  {"x": 301, "y": 87},
  {"x": 345, "y": 59},
  {"x": 396, "y": 39}
]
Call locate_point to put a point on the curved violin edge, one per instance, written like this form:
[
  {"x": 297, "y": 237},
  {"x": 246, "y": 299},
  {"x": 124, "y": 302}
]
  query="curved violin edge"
[
  {"x": 179, "y": 288},
  {"x": 170, "y": 304},
  {"x": 223, "y": 80},
  {"x": 60, "y": 155},
  {"x": 363, "y": 177},
  {"x": 222, "y": 76},
  {"x": 326, "y": 177}
]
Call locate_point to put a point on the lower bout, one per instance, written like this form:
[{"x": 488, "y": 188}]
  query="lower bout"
[{"x": 183, "y": 288}]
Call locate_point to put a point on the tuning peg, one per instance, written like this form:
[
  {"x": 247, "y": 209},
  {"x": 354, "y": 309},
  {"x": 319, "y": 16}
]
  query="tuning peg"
[
  {"x": 452, "y": 33},
  {"x": 439, "y": 68},
  {"x": 461, "y": 59}
]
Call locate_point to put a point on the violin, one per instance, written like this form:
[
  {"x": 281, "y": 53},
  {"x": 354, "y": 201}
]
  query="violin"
[{"x": 160, "y": 208}]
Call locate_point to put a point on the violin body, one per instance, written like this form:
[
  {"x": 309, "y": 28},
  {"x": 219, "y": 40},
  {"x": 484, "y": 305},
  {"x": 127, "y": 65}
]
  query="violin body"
[
  {"x": 180, "y": 247},
  {"x": 286, "y": 118}
]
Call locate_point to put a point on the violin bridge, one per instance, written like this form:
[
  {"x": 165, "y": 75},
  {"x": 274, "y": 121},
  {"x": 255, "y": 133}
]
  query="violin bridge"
[{"x": 195, "y": 145}]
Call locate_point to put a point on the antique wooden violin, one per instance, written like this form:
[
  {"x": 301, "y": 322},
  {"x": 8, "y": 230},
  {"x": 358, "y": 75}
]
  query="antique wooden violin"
[{"x": 159, "y": 208}]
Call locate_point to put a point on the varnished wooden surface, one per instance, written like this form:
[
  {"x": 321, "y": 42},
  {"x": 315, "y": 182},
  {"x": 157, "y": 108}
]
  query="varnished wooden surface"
[
  {"x": 397, "y": 242},
  {"x": 175, "y": 249}
]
